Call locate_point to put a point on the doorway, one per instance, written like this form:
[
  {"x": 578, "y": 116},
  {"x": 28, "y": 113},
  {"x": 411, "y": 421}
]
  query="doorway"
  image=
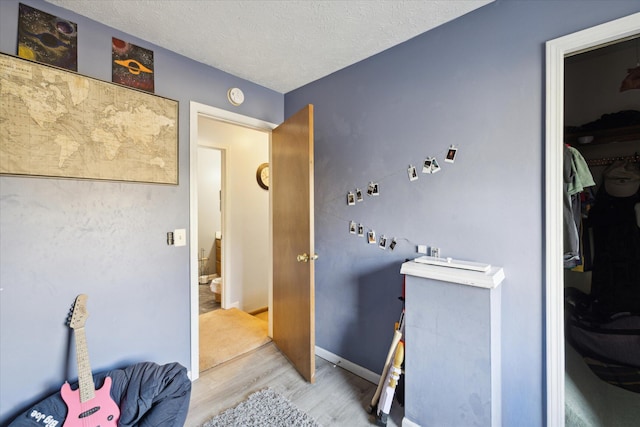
[
  {"x": 210, "y": 162},
  {"x": 556, "y": 51},
  {"x": 599, "y": 119},
  {"x": 245, "y": 265},
  {"x": 241, "y": 204}
]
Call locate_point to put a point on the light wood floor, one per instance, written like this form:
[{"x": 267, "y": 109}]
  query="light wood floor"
[{"x": 338, "y": 397}]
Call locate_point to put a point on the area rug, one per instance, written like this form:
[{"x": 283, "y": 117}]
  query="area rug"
[
  {"x": 263, "y": 408},
  {"x": 225, "y": 334}
]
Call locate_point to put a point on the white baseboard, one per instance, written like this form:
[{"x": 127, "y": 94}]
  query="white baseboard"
[
  {"x": 408, "y": 423},
  {"x": 347, "y": 365}
]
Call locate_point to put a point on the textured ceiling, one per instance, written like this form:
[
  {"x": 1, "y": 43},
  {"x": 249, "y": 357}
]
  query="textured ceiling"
[{"x": 281, "y": 45}]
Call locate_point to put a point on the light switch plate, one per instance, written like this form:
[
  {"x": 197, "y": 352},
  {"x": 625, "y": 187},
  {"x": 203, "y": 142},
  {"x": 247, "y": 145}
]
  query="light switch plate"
[{"x": 180, "y": 237}]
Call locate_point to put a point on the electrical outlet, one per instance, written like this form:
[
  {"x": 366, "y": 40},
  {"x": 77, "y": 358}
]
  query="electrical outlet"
[
  {"x": 435, "y": 252},
  {"x": 170, "y": 238},
  {"x": 422, "y": 249},
  {"x": 180, "y": 237}
]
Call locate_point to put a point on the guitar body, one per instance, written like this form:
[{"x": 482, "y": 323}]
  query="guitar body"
[{"x": 101, "y": 411}]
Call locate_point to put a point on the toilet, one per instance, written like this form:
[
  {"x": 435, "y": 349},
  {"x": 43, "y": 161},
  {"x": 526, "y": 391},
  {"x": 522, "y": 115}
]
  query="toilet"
[{"x": 216, "y": 287}]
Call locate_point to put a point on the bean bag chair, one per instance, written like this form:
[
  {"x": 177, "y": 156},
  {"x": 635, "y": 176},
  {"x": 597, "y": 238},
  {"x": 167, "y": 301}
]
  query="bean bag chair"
[{"x": 147, "y": 394}]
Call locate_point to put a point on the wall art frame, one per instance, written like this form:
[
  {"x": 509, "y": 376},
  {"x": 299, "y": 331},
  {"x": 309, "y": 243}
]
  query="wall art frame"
[{"x": 58, "y": 123}]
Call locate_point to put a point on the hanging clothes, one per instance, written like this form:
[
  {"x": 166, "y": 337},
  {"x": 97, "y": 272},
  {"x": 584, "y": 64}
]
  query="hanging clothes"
[
  {"x": 577, "y": 177},
  {"x": 615, "y": 283}
]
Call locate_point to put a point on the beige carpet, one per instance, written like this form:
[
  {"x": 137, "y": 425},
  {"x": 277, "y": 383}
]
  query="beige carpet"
[{"x": 225, "y": 334}]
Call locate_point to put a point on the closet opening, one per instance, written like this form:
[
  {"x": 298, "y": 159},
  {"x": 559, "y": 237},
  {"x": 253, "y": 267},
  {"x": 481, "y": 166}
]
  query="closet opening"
[{"x": 601, "y": 231}]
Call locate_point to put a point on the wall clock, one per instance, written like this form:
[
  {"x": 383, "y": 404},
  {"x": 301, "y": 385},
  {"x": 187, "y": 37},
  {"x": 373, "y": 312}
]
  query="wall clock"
[{"x": 262, "y": 175}]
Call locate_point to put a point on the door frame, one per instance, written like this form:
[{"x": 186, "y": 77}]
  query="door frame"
[
  {"x": 197, "y": 110},
  {"x": 556, "y": 51}
]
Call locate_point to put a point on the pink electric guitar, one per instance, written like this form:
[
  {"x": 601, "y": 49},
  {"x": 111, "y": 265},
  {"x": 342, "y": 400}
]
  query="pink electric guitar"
[{"x": 87, "y": 407}]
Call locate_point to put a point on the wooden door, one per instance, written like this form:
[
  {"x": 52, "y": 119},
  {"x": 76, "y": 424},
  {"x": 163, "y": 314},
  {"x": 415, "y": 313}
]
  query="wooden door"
[{"x": 293, "y": 240}]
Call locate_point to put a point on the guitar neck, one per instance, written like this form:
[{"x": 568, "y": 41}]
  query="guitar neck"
[{"x": 85, "y": 378}]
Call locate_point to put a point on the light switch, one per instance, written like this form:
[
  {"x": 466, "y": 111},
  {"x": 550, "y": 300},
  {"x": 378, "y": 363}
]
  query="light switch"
[{"x": 180, "y": 237}]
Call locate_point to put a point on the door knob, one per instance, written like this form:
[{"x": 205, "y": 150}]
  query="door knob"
[{"x": 305, "y": 257}]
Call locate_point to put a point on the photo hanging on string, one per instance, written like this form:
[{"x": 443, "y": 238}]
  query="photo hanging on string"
[
  {"x": 372, "y": 189},
  {"x": 426, "y": 166},
  {"x": 435, "y": 167},
  {"x": 451, "y": 154},
  {"x": 351, "y": 199},
  {"x": 413, "y": 174}
]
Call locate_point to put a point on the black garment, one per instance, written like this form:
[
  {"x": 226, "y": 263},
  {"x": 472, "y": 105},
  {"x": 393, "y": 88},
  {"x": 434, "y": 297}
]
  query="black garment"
[
  {"x": 615, "y": 284},
  {"x": 149, "y": 395}
]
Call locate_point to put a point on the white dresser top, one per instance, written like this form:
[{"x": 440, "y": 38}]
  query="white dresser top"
[{"x": 455, "y": 271}]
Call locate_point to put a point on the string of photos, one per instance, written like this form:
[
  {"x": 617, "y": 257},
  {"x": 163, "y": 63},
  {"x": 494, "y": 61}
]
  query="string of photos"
[{"x": 430, "y": 165}]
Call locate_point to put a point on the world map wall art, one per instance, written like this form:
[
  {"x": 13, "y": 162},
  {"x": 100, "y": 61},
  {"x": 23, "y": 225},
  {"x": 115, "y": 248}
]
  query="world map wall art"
[{"x": 57, "y": 123}]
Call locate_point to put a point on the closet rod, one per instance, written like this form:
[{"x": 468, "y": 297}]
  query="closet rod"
[{"x": 606, "y": 161}]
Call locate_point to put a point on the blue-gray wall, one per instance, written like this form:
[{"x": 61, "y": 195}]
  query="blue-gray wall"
[
  {"x": 60, "y": 238},
  {"x": 476, "y": 82}
]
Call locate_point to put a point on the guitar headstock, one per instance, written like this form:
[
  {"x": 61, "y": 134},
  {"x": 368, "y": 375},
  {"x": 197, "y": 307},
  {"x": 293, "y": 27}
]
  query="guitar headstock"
[{"x": 79, "y": 314}]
